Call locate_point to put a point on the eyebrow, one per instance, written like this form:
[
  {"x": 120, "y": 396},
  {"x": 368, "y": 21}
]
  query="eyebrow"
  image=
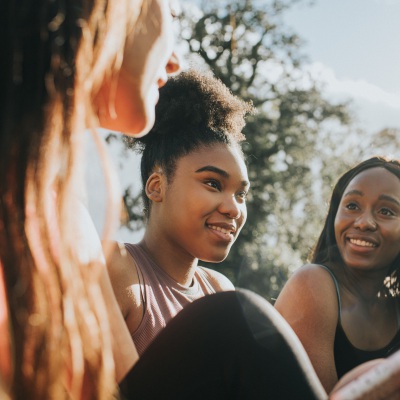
[
  {"x": 389, "y": 198},
  {"x": 352, "y": 192},
  {"x": 219, "y": 171},
  {"x": 381, "y": 197}
]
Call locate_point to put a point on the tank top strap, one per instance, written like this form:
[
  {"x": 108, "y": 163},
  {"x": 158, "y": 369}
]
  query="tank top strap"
[
  {"x": 336, "y": 286},
  {"x": 132, "y": 249},
  {"x": 398, "y": 313}
]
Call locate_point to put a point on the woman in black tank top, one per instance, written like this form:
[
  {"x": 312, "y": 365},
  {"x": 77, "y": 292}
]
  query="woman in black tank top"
[{"x": 344, "y": 306}]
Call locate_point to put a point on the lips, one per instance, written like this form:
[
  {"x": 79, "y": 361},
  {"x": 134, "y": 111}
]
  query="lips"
[
  {"x": 224, "y": 231},
  {"x": 362, "y": 242},
  {"x": 219, "y": 229}
]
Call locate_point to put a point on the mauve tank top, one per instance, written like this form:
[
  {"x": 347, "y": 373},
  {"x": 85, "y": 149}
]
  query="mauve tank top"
[
  {"x": 162, "y": 297},
  {"x": 346, "y": 355}
]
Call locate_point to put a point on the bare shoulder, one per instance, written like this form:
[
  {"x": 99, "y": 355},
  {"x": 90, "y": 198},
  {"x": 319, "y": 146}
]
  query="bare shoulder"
[
  {"x": 311, "y": 277},
  {"x": 219, "y": 281},
  {"x": 310, "y": 288},
  {"x": 123, "y": 275},
  {"x": 309, "y": 303},
  {"x": 116, "y": 254}
]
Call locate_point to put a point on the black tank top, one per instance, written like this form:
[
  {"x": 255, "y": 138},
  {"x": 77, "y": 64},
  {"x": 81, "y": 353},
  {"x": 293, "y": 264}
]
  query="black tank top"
[{"x": 346, "y": 355}]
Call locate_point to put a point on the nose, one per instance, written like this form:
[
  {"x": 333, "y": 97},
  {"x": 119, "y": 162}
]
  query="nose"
[
  {"x": 231, "y": 208},
  {"x": 173, "y": 64},
  {"x": 365, "y": 222}
]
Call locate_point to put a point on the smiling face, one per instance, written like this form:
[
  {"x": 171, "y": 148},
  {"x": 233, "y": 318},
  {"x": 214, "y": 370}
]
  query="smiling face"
[
  {"x": 367, "y": 223},
  {"x": 204, "y": 207}
]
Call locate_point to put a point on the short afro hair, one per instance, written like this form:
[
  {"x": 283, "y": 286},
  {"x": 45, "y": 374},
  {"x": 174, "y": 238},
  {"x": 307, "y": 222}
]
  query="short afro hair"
[{"x": 194, "y": 110}]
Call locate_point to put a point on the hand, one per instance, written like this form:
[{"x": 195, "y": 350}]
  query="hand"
[{"x": 376, "y": 380}]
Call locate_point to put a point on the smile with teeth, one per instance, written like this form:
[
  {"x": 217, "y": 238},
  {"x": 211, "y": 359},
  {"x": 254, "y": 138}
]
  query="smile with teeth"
[
  {"x": 219, "y": 229},
  {"x": 362, "y": 243}
]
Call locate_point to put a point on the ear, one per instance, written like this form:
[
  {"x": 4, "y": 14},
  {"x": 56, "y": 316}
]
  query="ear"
[{"x": 154, "y": 187}]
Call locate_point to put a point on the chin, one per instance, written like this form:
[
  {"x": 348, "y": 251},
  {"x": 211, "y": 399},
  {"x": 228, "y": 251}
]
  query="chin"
[
  {"x": 214, "y": 258},
  {"x": 144, "y": 128},
  {"x": 147, "y": 118},
  {"x": 142, "y": 124}
]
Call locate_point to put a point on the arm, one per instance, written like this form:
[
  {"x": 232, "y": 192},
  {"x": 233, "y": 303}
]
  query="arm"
[
  {"x": 124, "y": 279},
  {"x": 89, "y": 250},
  {"x": 5, "y": 339},
  {"x": 374, "y": 380},
  {"x": 308, "y": 302}
]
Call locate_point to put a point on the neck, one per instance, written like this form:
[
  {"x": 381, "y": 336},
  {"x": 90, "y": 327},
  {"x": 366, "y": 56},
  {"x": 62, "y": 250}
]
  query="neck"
[
  {"x": 176, "y": 262},
  {"x": 364, "y": 285}
]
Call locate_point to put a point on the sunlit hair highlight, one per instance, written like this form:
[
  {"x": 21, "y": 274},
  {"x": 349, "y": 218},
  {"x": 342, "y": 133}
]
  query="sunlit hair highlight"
[{"x": 53, "y": 59}]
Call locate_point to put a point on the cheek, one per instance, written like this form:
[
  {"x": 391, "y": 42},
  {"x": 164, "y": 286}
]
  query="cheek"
[
  {"x": 393, "y": 235},
  {"x": 336, "y": 226},
  {"x": 244, "y": 215}
]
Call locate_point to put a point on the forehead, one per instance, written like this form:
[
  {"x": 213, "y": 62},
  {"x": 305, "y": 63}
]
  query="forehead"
[
  {"x": 223, "y": 156},
  {"x": 377, "y": 179}
]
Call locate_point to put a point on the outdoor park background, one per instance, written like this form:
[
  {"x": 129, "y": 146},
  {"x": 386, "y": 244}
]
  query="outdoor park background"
[{"x": 325, "y": 78}]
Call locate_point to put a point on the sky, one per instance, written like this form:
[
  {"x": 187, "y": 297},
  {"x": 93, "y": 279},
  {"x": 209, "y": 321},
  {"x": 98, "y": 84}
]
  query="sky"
[{"x": 354, "y": 46}]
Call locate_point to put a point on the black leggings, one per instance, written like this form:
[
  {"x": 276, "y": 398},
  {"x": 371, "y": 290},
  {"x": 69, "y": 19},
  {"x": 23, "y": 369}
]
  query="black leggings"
[{"x": 231, "y": 345}]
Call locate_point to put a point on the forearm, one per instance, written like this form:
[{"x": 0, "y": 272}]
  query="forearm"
[
  {"x": 124, "y": 350},
  {"x": 377, "y": 380}
]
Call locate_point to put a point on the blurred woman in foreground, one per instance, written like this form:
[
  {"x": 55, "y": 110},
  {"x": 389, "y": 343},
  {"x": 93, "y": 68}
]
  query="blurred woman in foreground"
[{"x": 66, "y": 67}]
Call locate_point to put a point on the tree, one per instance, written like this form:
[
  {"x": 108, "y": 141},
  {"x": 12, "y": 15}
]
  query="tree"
[
  {"x": 297, "y": 144},
  {"x": 248, "y": 47}
]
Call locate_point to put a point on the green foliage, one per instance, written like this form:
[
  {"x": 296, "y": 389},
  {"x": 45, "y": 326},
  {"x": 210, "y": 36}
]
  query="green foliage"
[
  {"x": 297, "y": 144},
  {"x": 247, "y": 46}
]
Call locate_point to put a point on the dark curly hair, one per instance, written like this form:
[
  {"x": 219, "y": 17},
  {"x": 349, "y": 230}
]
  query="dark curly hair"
[
  {"x": 326, "y": 249},
  {"x": 194, "y": 110}
]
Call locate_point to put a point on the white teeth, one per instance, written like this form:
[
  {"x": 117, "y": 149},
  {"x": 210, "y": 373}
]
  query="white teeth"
[
  {"x": 219, "y": 229},
  {"x": 362, "y": 243}
]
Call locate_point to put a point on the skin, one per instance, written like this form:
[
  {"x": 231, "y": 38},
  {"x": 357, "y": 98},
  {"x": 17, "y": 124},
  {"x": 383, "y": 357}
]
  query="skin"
[
  {"x": 5, "y": 360},
  {"x": 367, "y": 225},
  {"x": 207, "y": 191},
  {"x": 374, "y": 380},
  {"x": 367, "y": 231},
  {"x": 127, "y": 103},
  {"x": 130, "y": 108}
]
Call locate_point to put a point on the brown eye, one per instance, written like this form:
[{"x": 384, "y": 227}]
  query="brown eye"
[
  {"x": 214, "y": 184},
  {"x": 387, "y": 212},
  {"x": 351, "y": 206},
  {"x": 242, "y": 195}
]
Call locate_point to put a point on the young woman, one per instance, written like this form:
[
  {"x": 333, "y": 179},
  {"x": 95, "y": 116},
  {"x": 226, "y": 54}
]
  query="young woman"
[
  {"x": 194, "y": 190},
  {"x": 66, "y": 67},
  {"x": 344, "y": 306}
]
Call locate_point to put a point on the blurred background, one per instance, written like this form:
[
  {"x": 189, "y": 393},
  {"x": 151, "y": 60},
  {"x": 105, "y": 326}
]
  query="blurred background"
[{"x": 325, "y": 78}]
